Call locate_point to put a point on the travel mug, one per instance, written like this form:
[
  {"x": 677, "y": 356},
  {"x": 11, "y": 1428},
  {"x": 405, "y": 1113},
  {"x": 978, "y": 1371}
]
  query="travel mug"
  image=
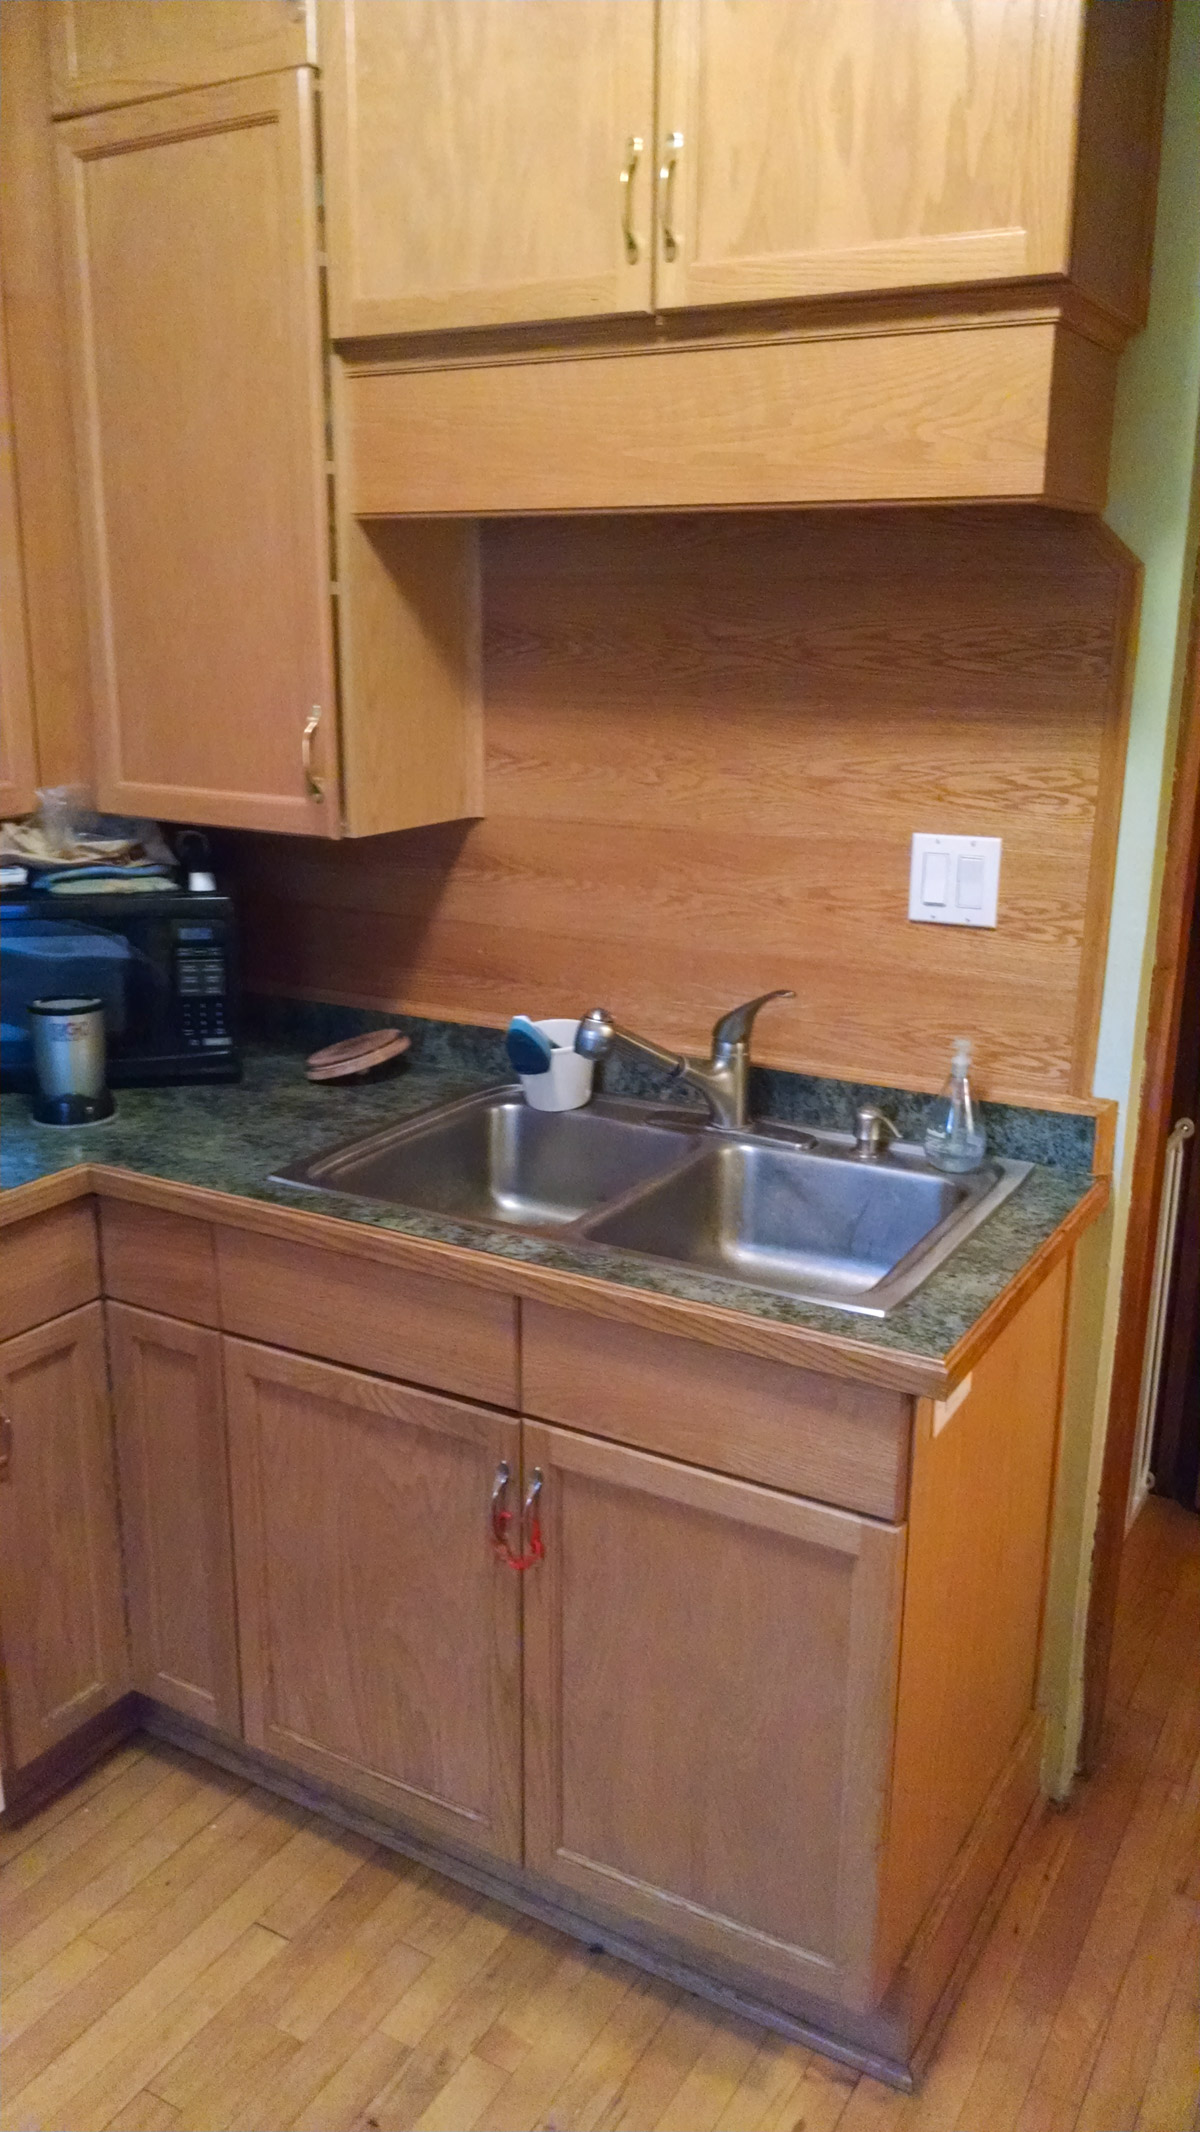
[{"x": 69, "y": 1061}]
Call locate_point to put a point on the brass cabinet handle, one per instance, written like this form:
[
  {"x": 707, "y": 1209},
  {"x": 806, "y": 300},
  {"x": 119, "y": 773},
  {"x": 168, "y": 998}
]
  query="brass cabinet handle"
[
  {"x": 6, "y": 1448},
  {"x": 666, "y": 195},
  {"x": 633, "y": 150},
  {"x": 316, "y": 789}
]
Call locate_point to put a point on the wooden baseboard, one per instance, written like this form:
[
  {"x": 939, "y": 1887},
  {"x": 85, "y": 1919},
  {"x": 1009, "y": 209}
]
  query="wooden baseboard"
[{"x": 28, "y": 1789}]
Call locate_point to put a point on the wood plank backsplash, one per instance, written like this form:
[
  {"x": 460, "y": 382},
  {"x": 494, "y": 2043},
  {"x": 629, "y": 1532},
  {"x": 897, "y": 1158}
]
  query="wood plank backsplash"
[{"x": 709, "y": 740}]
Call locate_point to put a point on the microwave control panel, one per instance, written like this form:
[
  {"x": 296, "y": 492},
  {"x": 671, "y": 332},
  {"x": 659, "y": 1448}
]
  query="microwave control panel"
[{"x": 201, "y": 988}]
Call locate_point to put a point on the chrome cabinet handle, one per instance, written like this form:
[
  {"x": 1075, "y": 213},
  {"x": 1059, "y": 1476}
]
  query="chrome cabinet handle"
[
  {"x": 314, "y": 785},
  {"x": 500, "y": 1515},
  {"x": 6, "y": 1448},
  {"x": 633, "y": 150},
  {"x": 529, "y": 1537},
  {"x": 666, "y": 195}
]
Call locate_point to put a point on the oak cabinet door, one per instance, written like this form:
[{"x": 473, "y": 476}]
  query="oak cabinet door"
[
  {"x": 175, "y": 1515},
  {"x": 486, "y": 163},
  {"x": 191, "y": 265},
  {"x": 709, "y": 1680},
  {"x": 18, "y": 775},
  {"x": 62, "y": 1620},
  {"x": 115, "y": 51},
  {"x": 379, "y": 1634},
  {"x": 818, "y": 149}
]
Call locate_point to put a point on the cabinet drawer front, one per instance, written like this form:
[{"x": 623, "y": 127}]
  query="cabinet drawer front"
[
  {"x": 762, "y": 1421},
  {"x": 709, "y": 1688},
  {"x": 349, "y": 1309},
  {"x": 159, "y": 1261},
  {"x": 48, "y": 1264}
]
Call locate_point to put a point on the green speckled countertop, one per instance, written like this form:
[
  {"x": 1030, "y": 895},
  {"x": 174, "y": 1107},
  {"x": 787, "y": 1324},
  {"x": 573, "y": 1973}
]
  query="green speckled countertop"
[{"x": 230, "y": 1138}]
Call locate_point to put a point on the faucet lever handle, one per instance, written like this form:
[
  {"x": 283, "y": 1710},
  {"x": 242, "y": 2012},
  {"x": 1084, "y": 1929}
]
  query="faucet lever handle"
[{"x": 734, "y": 1028}]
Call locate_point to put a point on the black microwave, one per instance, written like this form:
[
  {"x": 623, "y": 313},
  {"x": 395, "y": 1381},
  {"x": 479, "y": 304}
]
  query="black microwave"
[{"x": 163, "y": 962}]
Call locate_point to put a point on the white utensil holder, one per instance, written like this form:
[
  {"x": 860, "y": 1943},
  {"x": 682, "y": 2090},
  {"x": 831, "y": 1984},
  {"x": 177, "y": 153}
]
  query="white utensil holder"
[{"x": 568, "y": 1084}]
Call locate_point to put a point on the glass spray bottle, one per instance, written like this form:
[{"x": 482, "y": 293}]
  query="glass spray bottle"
[{"x": 953, "y": 1139}]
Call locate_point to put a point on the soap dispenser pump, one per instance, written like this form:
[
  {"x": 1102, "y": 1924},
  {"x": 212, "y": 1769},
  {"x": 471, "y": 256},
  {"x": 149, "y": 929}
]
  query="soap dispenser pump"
[{"x": 953, "y": 1139}]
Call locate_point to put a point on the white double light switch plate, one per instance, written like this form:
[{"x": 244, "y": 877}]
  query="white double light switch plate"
[{"x": 954, "y": 880}]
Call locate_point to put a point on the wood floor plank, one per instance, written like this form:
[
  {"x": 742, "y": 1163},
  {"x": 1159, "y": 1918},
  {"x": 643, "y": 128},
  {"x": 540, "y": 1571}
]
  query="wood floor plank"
[
  {"x": 1071, "y": 2029},
  {"x": 595, "y": 2082},
  {"x": 1170, "y": 2090},
  {"x": 716, "y": 2076},
  {"x": 486, "y": 1939},
  {"x": 579, "y": 2000},
  {"x": 343, "y": 1964},
  {"x": 774, "y": 2072},
  {"x": 819, "y": 2102},
  {"x": 147, "y": 2112},
  {"x": 154, "y": 2035},
  {"x": 466, "y": 2098},
  {"x": 247, "y": 1872},
  {"x": 340, "y": 2105},
  {"x": 16, "y": 1839},
  {"x": 53, "y": 1853},
  {"x": 307, "y": 1957},
  {"x": 81, "y": 1911},
  {"x": 282, "y": 2092},
  {"x": 334, "y": 1862},
  {"x": 659, "y": 2072},
  {"x": 1127, "y": 2049},
  {"x": 24, "y": 2004}
]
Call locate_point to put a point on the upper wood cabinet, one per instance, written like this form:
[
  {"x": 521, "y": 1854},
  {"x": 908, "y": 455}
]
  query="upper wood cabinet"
[
  {"x": 62, "y": 1622},
  {"x": 204, "y": 452},
  {"x": 117, "y": 51},
  {"x": 819, "y": 150},
  {"x": 487, "y": 163},
  {"x": 484, "y": 167},
  {"x": 18, "y": 766}
]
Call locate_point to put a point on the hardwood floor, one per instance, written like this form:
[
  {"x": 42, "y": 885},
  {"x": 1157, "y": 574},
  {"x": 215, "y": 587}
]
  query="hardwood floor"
[{"x": 183, "y": 1950}]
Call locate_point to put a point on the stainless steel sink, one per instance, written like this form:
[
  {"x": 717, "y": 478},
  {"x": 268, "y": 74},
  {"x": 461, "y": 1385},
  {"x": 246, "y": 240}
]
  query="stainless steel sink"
[
  {"x": 796, "y": 1213},
  {"x": 817, "y": 1224},
  {"x": 490, "y": 1158}
]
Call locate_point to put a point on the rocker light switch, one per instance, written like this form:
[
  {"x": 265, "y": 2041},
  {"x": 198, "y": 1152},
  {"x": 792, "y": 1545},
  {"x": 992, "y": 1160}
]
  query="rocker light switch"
[{"x": 954, "y": 880}]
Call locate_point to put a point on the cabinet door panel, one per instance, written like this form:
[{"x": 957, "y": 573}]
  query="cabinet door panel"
[
  {"x": 175, "y": 1516},
  {"x": 114, "y": 51},
  {"x": 18, "y": 773},
  {"x": 864, "y": 145},
  {"x": 379, "y": 1634},
  {"x": 710, "y": 1673},
  {"x": 474, "y": 160},
  {"x": 62, "y": 1618},
  {"x": 199, "y": 411}
]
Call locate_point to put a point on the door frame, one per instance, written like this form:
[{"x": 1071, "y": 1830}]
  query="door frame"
[{"x": 1180, "y": 880}]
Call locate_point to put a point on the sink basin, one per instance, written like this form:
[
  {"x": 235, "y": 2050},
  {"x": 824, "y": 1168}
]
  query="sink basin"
[
  {"x": 815, "y": 1224},
  {"x": 795, "y": 1213},
  {"x": 491, "y": 1158}
]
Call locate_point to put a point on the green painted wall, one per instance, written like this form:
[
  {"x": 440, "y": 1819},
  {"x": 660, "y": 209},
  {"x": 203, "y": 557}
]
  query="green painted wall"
[{"x": 1152, "y": 506}]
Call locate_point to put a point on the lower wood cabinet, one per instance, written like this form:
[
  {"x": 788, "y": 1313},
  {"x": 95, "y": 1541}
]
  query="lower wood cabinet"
[
  {"x": 710, "y": 1673},
  {"x": 62, "y": 1616},
  {"x": 380, "y": 1636},
  {"x": 170, "y": 1429}
]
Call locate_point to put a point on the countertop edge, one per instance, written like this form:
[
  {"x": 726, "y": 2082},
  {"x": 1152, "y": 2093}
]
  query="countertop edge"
[{"x": 855, "y": 1359}]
